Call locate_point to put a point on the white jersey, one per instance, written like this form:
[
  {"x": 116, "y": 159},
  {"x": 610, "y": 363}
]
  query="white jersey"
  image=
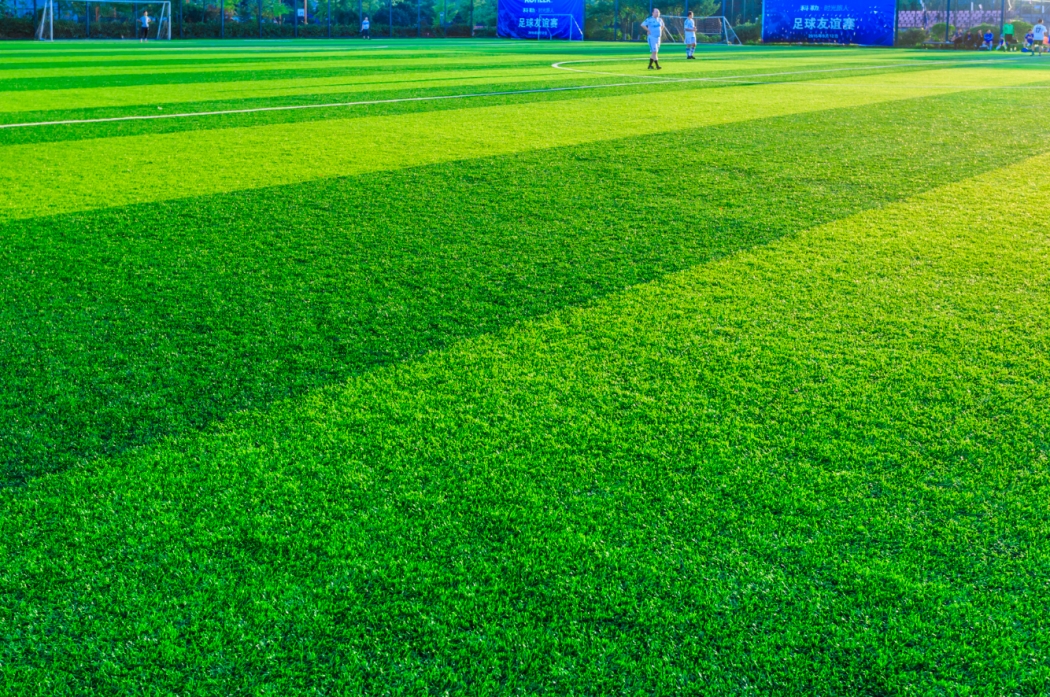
[
  {"x": 1039, "y": 31},
  {"x": 655, "y": 27},
  {"x": 690, "y": 26}
]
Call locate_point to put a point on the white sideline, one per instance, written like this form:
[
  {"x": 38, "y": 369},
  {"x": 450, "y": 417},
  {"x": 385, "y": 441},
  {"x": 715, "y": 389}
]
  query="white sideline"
[
  {"x": 739, "y": 79},
  {"x": 146, "y": 117}
]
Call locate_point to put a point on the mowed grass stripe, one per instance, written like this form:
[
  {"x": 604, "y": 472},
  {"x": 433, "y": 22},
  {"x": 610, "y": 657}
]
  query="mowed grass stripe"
[
  {"x": 377, "y": 95},
  {"x": 137, "y": 169},
  {"x": 819, "y": 466},
  {"x": 369, "y": 97},
  {"x": 102, "y": 97},
  {"x": 241, "y": 113},
  {"x": 392, "y": 68},
  {"x": 150, "y": 90},
  {"x": 61, "y": 56},
  {"x": 87, "y": 129},
  {"x": 128, "y": 325}
]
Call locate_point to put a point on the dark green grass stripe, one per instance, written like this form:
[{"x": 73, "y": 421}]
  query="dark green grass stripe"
[
  {"x": 123, "y": 326},
  {"x": 392, "y": 63},
  {"x": 819, "y": 469},
  {"x": 64, "y": 132},
  {"x": 303, "y": 69},
  {"x": 48, "y": 133},
  {"x": 41, "y": 56}
]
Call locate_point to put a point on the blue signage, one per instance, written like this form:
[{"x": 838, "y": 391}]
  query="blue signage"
[
  {"x": 540, "y": 19},
  {"x": 864, "y": 22}
]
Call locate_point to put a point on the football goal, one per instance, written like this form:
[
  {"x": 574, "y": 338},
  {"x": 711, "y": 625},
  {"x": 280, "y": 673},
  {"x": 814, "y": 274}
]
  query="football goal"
[
  {"x": 556, "y": 26},
  {"x": 709, "y": 30},
  {"x": 126, "y": 14}
]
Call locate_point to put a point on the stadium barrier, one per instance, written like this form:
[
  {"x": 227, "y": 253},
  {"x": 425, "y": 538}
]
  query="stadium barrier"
[{"x": 605, "y": 20}]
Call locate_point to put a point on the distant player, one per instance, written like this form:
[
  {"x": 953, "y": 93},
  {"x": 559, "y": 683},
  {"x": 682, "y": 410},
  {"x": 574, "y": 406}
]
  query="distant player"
[
  {"x": 144, "y": 21},
  {"x": 365, "y": 27},
  {"x": 1028, "y": 39},
  {"x": 1038, "y": 37},
  {"x": 690, "y": 37},
  {"x": 655, "y": 26}
]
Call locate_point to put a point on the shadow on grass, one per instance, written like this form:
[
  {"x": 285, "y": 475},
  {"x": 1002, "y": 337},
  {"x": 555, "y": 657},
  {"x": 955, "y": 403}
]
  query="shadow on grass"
[{"x": 124, "y": 326}]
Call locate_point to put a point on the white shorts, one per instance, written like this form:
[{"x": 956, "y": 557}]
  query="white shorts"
[
  {"x": 654, "y": 44},
  {"x": 690, "y": 37}
]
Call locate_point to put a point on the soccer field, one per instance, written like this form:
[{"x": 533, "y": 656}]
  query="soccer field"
[{"x": 479, "y": 367}]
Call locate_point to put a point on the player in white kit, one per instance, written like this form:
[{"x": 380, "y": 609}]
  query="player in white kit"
[
  {"x": 690, "y": 37},
  {"x": 1039, "y": 34},
  {"x": 655, "y": 26}
]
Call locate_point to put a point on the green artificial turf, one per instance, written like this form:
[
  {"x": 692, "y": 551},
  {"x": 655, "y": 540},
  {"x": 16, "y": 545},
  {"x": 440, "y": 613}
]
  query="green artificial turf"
[{"x": 687, "y": 388}]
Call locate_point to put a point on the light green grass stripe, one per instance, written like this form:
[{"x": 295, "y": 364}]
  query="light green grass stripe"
[
  {"x": 82, "y": 175},
  {"x": 102, "y": 97},
  {"x": 816, "y": 466},
  {"x": 371, "y": 59},
  {"x": 423, "y": 77},
  {"x": 20, "y": 53},
  {"x": 398, "y": 59}
]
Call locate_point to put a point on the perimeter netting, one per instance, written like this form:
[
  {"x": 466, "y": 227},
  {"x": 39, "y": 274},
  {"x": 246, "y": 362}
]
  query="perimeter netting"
[
  {"x": 112, "y": 19},
  {"x": 709, "y": 30}
]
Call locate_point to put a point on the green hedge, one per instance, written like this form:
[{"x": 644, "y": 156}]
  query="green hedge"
[
  {"x": 911, "y": 37},
  {"x": 16, "y": 28},
  {"x": 749, "y": 32}
]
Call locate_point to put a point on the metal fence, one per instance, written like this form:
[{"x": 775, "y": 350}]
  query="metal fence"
[
  {"x": 934, "y": 23},
  {"x": 606, "y": 20},
  {"x": 963, "y": 24},
  {"x": 234, "y": 19}
]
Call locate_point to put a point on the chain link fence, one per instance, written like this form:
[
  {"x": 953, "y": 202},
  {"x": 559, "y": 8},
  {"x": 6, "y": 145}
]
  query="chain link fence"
[
  {"x": 964, "y": 24},
  {"x": 932, "y": 23},
  {"x": 606, "y": 20}
]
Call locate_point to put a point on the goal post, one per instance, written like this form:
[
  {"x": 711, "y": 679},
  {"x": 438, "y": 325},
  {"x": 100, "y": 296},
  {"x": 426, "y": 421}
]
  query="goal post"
[
  {"x": 709, "y": 30},
  {"x": 558, "y": 26},
  {"x": 160, "y": 27},
  {"x": 46, "y": 30}
]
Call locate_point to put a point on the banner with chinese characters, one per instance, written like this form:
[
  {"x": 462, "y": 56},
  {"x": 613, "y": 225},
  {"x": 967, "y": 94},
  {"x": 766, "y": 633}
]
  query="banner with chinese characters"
[
  {"x": 864, "y": 22},
  {"x": 540, "y": 19}
]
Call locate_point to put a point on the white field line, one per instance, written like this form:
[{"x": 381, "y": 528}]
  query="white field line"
[
  {"x": 254, "y": 110},
  {"x": 736, "y": 79}
]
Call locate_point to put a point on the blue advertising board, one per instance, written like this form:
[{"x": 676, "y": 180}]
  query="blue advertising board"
[
  {"x": 540, "y": 19},
  {"x": 864, "y": 22}
]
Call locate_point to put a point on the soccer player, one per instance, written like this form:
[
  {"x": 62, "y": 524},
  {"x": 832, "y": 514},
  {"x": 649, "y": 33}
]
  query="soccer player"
[
  {"x": 1038, "y": 34},
  {"x": 655, "y": 26},
  {"x": 144, "y": 27},
  {"x": 690, "y": 37},
  {"x": 365, "y": 25}
]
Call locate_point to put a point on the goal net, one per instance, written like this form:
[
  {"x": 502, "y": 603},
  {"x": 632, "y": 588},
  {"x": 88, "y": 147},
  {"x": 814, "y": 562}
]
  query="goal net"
[
  {"x": 112, "y": 19},
  {"x": 709, "y": 30},
  {"x": 558, "y": 26}
]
